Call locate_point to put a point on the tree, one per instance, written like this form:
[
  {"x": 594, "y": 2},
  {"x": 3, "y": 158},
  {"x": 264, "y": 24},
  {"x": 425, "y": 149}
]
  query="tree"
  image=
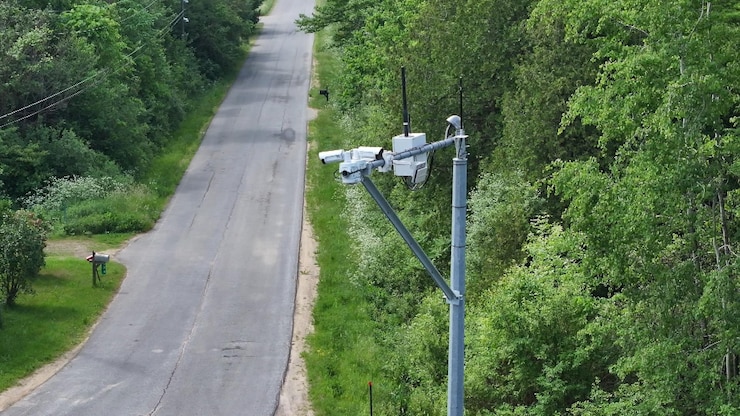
[
  {"x": 547, "y": 73},
  {"x": 659, "y": 217},
  {"x": 216, "y": 30},
  {"x": 39, "y": 68},
  {"x": 501, "y": 210},
  {"x": 348, "y": 15},
  {"x": 534, "y": 346},
  {"x": 22, "y": 242}
]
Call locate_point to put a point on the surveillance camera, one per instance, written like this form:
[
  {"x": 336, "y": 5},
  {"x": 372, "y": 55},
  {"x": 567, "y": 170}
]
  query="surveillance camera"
[
  {"x": 366, "y": 152},
  {"x": 331, "y": 156},
  {"x": 455, "y": 121}
]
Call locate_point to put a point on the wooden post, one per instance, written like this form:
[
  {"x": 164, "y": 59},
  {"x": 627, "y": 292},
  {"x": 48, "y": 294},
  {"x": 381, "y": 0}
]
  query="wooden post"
[{"x": 94, "y": 271}]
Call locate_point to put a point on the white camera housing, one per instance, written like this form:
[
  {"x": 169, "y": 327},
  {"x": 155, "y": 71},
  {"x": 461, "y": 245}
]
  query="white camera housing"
[
  {"x": 352, "y": 171},
  {"x": 368, "y": 153},
  {"x": 410, "y": 166},
  {"x": 332, "y": 156}
]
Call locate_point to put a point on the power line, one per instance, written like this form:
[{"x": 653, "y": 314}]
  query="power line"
[
  {"x": 159, "y": 35},
  {"x": 53, "y": 95},
  {"x": 76, "y": 93},
  {"x": 138, "y": 11}
]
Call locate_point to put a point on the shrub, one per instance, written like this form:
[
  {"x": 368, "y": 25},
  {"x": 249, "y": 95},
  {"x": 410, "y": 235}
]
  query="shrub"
[
  {"x": 22, "y": 242},
  {"x": 85, "y": 205},
  {"x": 129, "y": 211},
  {"x": 60, "y": 193}
]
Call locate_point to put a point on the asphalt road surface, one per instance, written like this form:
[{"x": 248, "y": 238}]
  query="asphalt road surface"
[{"x": 202, "y": 324}]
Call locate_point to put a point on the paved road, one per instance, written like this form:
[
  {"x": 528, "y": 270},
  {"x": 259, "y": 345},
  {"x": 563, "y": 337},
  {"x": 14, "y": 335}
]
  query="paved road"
[{"x": 202, "y": 324}]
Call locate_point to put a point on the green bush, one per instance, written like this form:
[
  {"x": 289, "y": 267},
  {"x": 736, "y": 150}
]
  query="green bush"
[
  {"x": 130, "y": 211},
  {"x": 22, "y": 241},
  {"x": 85, "y": 205},
  {"x": 60, "y": 193}
]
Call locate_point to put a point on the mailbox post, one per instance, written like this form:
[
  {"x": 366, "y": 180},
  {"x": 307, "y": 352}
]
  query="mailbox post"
[{"x": 96, "y": 260}]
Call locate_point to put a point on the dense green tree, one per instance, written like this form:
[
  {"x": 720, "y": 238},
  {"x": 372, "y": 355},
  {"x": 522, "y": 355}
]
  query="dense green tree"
[
  {"x": 40, "y": 70},
  {"x": 44, "y": 76},
  {"x": 625, "y": 300},
  {"x": 20, "y": 163},
  {"x": 348, "y": 16},
  {"x": 657, "y": 220},
  {"x": 109, "y": 113},
  {"x": 501, "y": 208},
  {"x": 165, "y": 72},
  {"x": 108, "y": 81},
  {"x": 544, "y": 77},
  {"x": 216, "y": 31},
  {"x": 532, "y": 346}
]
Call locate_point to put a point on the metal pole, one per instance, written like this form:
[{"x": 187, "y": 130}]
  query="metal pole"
[
  {"x": 183, "y": 18},
  {"x": 456, "y": 363},
  {"x": 92, "y": 263}
]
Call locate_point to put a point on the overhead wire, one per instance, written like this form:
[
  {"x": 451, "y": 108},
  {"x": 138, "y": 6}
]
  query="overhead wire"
[
  {"x": 67, "y": 98},
  {"x": 159, "y": 34},
  {"x": 138, "y": 11},
  {"x": 51, "y": 96}
]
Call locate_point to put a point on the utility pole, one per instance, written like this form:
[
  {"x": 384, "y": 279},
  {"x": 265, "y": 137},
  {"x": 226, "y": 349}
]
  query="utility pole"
[
  {"x": 184, "y": 19},
  {"x": 456, "y": 371},
  {"x": 409, "y": 160}
]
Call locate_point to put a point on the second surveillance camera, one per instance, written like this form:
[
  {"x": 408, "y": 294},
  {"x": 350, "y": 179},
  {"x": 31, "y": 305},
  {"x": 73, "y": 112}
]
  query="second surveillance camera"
[{"x": 331, "y": 156}]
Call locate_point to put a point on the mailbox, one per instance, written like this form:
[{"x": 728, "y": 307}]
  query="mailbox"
[
  {"x": 101, "y": 258},
  {"x": 97, "y": 259}
]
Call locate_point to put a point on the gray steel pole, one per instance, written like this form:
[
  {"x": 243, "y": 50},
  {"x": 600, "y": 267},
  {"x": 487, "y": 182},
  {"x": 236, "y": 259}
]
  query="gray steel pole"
[
  {"x": 183, "y": 19},
  {"x": 456, "y": 363}
]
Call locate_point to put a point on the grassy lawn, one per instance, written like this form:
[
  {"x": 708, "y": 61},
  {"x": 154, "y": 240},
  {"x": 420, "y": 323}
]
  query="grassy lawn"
[{"x": 46, "y": 324}]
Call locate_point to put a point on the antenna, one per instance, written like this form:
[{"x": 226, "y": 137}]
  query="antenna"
[
  {"x": 461, "y": 101},
  {"x": 406, "y": 121}
]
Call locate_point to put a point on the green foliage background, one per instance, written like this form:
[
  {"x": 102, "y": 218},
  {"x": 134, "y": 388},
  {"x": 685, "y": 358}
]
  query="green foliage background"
[
  {"x": 95, "y": 89},
  {"x": 603, "y": 212}
]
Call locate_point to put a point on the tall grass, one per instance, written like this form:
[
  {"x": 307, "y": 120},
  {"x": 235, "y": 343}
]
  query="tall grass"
[
  {"x": 343, "y": 355},
  {"x": 87, "y": 205}
]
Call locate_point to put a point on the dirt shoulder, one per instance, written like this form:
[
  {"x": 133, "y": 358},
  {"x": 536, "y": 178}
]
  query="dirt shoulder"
[{"x": 294, "y": 399}]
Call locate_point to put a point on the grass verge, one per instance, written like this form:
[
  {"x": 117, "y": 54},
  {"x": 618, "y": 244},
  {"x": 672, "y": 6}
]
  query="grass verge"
[
  {"x": 343, "y": 355},
  {"x": 266, "y": 7}
]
